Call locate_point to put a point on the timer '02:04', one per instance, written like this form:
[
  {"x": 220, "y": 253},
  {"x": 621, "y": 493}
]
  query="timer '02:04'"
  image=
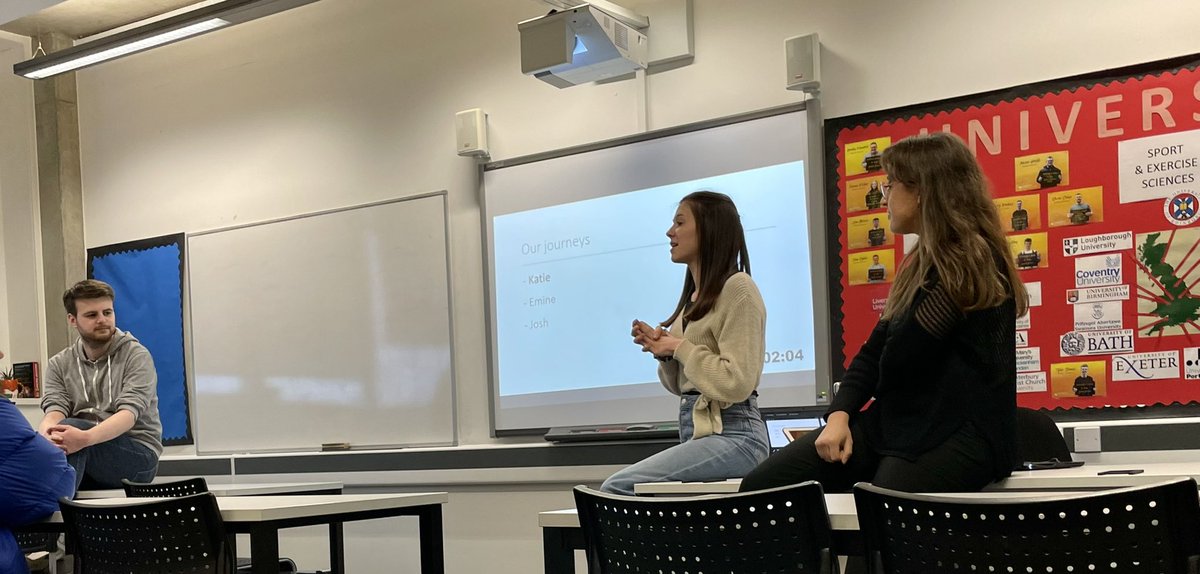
[{"x": 783, "y": 356}]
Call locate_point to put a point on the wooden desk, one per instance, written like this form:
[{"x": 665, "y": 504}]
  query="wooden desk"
[
  {"x": 262, "y": 517},
  {"x": 240, "y": 489},
  {"x": 562, "y": 536}
]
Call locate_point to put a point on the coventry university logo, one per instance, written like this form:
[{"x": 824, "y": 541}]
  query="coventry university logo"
[{"x": 1073, "y": 343}]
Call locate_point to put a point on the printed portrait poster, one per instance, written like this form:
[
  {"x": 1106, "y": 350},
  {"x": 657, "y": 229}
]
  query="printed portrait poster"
[
  {"x": 1075, "y": 206},
  {"x": 863, "y": 156},
  {"x": 1167, "y": 272},
  {"x": 1079, "y": 380},
  {"x": 872, "y": 266},
  {"x": 1029, "y": 250},
  {"x": 1042, "y": 171},
  {"x": 865, "y": 193},
  {"x": 1020, "y": 212},
  {"x": 869, "y": 231}
]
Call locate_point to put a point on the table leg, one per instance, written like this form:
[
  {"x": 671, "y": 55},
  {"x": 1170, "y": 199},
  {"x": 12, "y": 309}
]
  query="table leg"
[
  {"x": 433, "y": 559},
  {"x": 337, "y": 549},
  {"x": 264, "y": 551},
  {"x": 558, "y": 552}
]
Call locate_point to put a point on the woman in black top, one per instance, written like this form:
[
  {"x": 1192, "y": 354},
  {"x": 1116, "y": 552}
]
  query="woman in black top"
[{"x": 940, "y": 364}]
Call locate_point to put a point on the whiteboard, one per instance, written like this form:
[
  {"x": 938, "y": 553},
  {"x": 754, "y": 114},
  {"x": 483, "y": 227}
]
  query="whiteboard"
[{"x": 332, "y": 327}]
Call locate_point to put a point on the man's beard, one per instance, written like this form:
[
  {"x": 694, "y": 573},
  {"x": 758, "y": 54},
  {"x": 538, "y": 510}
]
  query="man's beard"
[{"x": 98, "y": 341}]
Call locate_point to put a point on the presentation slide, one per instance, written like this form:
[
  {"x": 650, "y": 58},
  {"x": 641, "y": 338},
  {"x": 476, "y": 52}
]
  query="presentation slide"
[
  {"x": 571, "y": 278},
  {"x": 577, "y": 249}
]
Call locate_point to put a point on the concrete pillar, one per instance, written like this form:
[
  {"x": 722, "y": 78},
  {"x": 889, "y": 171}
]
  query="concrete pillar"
[{"x": 60, "y": 190}]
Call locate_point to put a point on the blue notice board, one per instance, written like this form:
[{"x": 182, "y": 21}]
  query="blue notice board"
[{"x": 147, "y": 276}]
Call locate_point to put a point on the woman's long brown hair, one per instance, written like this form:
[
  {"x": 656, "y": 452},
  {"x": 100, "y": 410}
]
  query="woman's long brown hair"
[
  {"x": 722, "y": 252},
  {"x": 960, "y": 234}
]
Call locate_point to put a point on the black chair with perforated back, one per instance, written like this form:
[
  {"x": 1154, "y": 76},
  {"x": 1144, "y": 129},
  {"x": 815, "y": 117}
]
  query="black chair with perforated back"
[
  {"x": 31, "y": 542},
  {"x": 164, "y": 489},
  {"x": 185, "y": 488},
  {"x": 169, "y": 536},
  {"x": 1144, "y": 529},
  {"x": 779, "y": 530}
]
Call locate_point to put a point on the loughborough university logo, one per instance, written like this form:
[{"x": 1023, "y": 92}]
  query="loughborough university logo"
[{"x": 1183, "y": 208}]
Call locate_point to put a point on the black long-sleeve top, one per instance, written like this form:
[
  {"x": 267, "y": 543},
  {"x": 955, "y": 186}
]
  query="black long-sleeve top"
[{"x": 931, "y": 368}]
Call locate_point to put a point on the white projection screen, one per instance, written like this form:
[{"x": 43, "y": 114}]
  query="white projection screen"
[
  {"x": 576, "y": 249},
  {"x": 326, "y": 328}
]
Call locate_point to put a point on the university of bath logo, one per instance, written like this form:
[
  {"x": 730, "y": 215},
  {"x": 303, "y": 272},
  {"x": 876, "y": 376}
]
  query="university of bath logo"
[
  {"x": 1073, "y": 343},
  {"x": 1182, "y": 208}
]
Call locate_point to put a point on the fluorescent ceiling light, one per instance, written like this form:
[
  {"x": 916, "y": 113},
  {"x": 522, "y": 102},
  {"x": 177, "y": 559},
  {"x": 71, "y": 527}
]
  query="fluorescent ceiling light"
[
  {"x": 158, "y": 33},
  {"x": 118, "y": 51}
]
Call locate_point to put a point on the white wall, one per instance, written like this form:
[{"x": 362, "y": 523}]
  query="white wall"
[
  {"x": 348, "y": 101},
  {"x": 22, "y": 336}
]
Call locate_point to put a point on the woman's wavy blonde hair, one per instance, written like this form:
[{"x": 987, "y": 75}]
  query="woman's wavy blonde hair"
[{"x": 960, "y": 233}]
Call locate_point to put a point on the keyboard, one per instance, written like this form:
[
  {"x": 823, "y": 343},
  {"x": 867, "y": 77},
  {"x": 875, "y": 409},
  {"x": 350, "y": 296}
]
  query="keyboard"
[{"x": 669, "y": 430}]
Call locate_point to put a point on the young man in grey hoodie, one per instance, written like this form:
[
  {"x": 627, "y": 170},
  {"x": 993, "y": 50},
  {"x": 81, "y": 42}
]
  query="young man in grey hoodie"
[{"x": 101, "y": 396}]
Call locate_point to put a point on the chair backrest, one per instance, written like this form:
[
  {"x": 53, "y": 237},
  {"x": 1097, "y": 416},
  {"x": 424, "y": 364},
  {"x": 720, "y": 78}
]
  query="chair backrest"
[
  {"x": 164, "y": 489},
  {"x": 168, "y": 536},
  {"x": 1038, "y": 438},
  {"x": 36, "y": 541},
  {"x": 1153, "y": 528},
  {"x": 784, "y": 529}
]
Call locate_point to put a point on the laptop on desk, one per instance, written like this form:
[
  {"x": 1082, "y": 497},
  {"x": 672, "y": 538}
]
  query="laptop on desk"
[{"x": 784, "y": 428}]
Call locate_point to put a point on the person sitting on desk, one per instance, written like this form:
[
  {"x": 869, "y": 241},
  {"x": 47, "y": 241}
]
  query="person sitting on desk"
[
  {"x": 34, "y": 474},
  {"x": 710, "y": 352},
  {"x": 101, "y": 395},
  {"x": 939, "y": 363}
]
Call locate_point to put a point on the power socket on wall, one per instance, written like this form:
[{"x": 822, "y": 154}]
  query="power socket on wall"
[{"x": 1087, "y": 439}]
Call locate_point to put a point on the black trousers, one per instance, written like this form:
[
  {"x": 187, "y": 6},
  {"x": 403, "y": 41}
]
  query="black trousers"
[{"x": 960, "y": 464}]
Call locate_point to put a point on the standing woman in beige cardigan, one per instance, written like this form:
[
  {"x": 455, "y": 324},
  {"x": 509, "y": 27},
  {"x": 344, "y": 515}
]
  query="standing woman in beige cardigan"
[{"x": 710, "y": 351}]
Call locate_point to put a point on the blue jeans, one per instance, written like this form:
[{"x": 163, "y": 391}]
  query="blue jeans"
[
  {"x": 741, "y": 445},
  {"x": 104, "y": 465}
]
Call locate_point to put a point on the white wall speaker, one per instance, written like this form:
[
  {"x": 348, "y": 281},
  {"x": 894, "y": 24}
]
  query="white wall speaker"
[
  {"x": 803, "y": 63},
  {"x": 470, "y": 129}
]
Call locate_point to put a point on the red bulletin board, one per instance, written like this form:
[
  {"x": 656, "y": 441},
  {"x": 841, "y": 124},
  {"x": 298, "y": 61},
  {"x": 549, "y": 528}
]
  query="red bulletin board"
[{"x": 1105, "y": 167}]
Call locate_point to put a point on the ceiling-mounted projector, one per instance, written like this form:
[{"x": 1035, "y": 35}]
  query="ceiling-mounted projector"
[{"x": 579, "y": 45}]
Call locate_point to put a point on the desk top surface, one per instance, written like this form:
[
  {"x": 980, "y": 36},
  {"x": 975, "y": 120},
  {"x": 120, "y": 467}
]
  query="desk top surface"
[
  {"x": 265, "y": 508},
  {"x": 1087, "y": 477},
  {"x": 843, "y": 515},
  {"x": 241, "y": 489},
  {"x": 1084, "y": 477}
]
